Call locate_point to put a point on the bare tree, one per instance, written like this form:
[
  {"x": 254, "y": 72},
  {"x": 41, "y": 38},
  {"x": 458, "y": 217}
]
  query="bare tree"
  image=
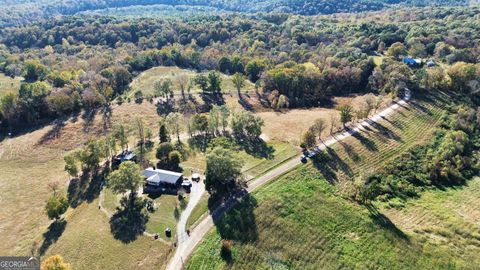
[
  {"x": 333, "y": 123},
  {"x": 174, "y": 120},
  {"x": 54, "y": 186},
  {"x": 318, "y": 127},
  {"x": 182, "y": 81}
]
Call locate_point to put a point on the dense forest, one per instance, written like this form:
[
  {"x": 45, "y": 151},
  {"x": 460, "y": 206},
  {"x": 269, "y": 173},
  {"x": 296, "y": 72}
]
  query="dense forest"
[{"x": 25, "y": 11}]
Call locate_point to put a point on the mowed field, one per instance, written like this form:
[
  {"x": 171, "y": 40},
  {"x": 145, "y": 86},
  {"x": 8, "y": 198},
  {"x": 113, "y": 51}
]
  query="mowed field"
[
  {"x": 7, "y": 84},
  {"x": 27, "y": 165},
  {"x": 450, "y": 218},
  {"x": 382, "y": 142},
  {"x": 282, "y": 126},
  {"x": 30, "y": 161},
  {"x": 301, "y": 221},
  {"x": 162, "y": 218},
  {"x": 87, "y": 243},
  {"x": 26, "y": 169}
]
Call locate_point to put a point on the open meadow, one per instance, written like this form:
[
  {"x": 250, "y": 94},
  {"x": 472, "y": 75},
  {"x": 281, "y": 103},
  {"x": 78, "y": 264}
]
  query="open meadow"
[
  {"x": 7, "y": 84},
  {"x": 145, "y": 82}
]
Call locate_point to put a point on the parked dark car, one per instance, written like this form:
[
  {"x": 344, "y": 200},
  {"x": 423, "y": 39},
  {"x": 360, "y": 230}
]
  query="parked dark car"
[
  {"x": 196, "y": 177},
  {"x": 187, "y": 185}
]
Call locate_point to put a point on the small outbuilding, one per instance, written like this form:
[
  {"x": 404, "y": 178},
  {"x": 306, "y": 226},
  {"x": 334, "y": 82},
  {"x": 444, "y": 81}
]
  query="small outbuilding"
[
  {"x": 122, "y": 157},
  {"x": 430, "y": 63},
  {"x": 412, "y": 62}
]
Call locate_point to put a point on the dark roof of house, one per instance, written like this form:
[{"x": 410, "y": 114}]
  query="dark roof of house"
[{"x": 161, "y": 176}]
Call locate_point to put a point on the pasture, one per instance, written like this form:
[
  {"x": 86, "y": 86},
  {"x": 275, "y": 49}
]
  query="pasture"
[
  {"x": 7, "y": 84},
  {"x": 301, "y": 221},
  {"x": 145, "y": 82}
]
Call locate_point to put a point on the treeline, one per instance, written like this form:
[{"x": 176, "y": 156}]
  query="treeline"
[
  {"x": 51, "y": 93},
  {"x": 23, "y": 12}
]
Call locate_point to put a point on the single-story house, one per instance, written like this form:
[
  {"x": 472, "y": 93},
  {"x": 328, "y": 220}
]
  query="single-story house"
[
  {"x": 413, "y": 62},
  {"x": 162, "y": 178}
]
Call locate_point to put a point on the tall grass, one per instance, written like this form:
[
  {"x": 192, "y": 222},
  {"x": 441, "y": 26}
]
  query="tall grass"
[{"x": 300, "y": 222}]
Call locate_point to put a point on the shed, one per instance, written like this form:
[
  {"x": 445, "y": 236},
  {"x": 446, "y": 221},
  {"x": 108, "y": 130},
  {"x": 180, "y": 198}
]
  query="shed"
[
  {"x": 430, "y": 63},
  {"x": 413, "y": 62},
  {"x": 124, "y": 156}
]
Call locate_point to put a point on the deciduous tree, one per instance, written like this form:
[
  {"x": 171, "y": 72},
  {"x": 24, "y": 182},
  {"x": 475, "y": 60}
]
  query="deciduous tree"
[
  {"x": 56, "y": 206},
  {"x": 308, "y": 139},
  {"x": 346, "y": 114},
  {"x": 223, "y": 169},
  {"x": 126, "y": 178},
  {"x": 239, "y": 81},
  {"x": 55, "y": 262}
]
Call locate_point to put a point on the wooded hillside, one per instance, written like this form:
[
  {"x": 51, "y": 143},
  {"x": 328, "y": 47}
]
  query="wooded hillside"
[{"x": 25, "y": 11}]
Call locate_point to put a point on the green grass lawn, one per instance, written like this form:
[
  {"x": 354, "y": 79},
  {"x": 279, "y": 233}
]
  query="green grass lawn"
[
  {"x": 111, "y": 200},
  {"x": 255, "y": 166},
  {"x": 301, "y": 222},
  {"x": 448, "y": 217},
  {"x": 200, "y": 209},
  {"x": 7, "y": 84},
  {"x": 252, "y": 168},
  {"x": 146, "y": 80},
  {"x": 87, "y": 243},
  {"x": 163, "y": 217}
]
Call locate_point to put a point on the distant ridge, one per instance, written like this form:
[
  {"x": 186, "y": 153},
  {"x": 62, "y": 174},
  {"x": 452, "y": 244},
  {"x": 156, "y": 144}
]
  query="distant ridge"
[{"x": 22, "y": 12}]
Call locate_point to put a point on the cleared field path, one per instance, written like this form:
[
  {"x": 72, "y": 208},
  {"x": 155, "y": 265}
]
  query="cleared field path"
[{"x": 186, "y": 247}]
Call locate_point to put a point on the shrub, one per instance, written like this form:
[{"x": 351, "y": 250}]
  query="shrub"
[
  {"x": 56, "y": 206},
  {"x": 138, "y": 96},
  {"x": 226, "y": 250}
]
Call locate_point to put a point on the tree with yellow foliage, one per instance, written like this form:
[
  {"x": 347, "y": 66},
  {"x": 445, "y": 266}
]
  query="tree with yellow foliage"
[{"x": 55, "y": 263}]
